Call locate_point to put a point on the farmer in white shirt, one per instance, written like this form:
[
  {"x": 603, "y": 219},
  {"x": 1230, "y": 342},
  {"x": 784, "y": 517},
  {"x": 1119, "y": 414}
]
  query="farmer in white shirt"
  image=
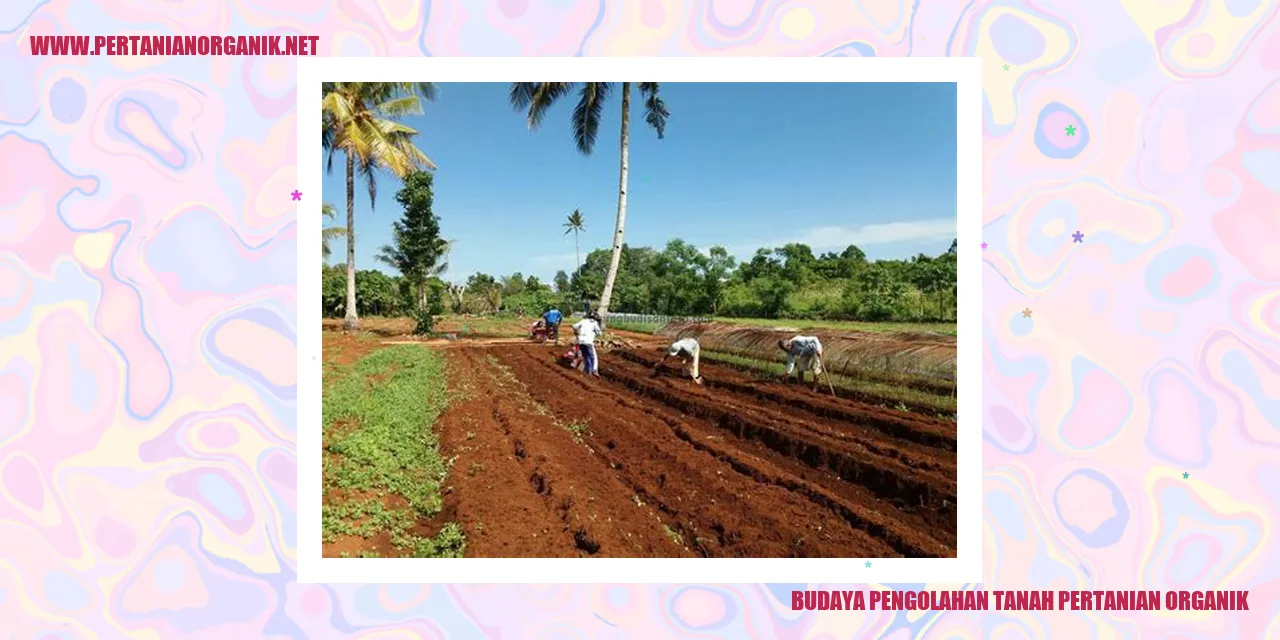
[
  {"x": 805, "y": 351},
  {"x": 687, "y": 350},
  {"x": 586, "y": 331}
]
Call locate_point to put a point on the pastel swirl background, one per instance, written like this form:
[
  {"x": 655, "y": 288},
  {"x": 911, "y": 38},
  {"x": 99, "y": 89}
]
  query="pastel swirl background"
[{"x": 148, "y": 314}]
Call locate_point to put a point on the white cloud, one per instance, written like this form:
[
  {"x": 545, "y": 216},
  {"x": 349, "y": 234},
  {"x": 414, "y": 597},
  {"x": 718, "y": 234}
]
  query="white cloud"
[
  {"x": 834, "y": 237},
  {"x": 880, "y": 233}
]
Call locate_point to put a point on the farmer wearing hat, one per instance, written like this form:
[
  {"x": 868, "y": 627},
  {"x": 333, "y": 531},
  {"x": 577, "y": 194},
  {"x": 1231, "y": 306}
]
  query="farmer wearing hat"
[
  {"x": 687, "y": 350},
  {"x": 805, "y": 351},
  {"x": 586, "y": 331}
]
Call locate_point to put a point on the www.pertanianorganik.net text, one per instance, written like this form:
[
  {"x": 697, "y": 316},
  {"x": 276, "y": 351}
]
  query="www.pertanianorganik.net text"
[{"x": 173, "y": 45}]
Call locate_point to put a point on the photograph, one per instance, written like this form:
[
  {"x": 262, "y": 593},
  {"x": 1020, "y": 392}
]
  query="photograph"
[{"x": 638, "y": 320}]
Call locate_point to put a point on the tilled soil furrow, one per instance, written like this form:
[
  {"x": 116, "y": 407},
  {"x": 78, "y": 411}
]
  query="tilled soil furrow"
[
  {"x": 933, "y": 466},
  {"x": 921, "y": 429},
  {"x": 522, "y": 487},
  {"x": 914, "y": 524},
  {"x": 726, "y": 512},
  {"x": 880, "y": 520},
  {"x": 869, "y": 398},
  {"x": 484, "y": 487},
  {"x": 886, "y": 476},
  {"x": 911, "y": 453}
]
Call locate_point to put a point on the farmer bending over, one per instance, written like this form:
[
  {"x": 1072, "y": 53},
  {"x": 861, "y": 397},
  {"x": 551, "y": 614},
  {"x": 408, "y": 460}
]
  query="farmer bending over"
[
  {"x": 586, "y": 332},
  {"x": 687, "y": 350},
  {"x": 552, "y": 319},
  {"x": 808, "y": 351}
]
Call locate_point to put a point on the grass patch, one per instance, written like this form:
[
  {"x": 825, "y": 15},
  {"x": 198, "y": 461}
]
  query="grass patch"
[
  {"x": 484, "y": 326},
  {"x": 381, "y": 328},
  {"x": 377, "y": 419},
  {"x": 885, "y": 394}
]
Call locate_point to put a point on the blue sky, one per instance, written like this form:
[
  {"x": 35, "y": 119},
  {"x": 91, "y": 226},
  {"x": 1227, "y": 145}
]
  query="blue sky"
[{"x": 742, "y": 166}]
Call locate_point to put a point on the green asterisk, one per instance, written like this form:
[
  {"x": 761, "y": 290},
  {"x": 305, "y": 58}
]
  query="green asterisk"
[
  {"x": 1071, "y": 130},
  {"x": 1006, "y": 67},
  {"x": 1185, "y": 475}
]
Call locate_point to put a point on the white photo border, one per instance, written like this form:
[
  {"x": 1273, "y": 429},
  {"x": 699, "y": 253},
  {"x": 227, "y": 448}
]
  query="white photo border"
[{"x": 966, "y": 73}]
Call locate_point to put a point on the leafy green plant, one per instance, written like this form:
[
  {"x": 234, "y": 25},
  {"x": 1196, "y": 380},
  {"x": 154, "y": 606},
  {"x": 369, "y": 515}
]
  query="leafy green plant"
[
  {"x": 424, "y": 322},
  {"x": 377, "y": 416}
]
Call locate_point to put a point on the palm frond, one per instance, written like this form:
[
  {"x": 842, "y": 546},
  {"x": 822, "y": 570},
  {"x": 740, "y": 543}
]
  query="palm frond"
[
  {"x": 587, "y": 115},
  {"x": 442, "y": 249},
  {"x": 390, "y": 256},
  {"x": 426, "y": 90},
  {"x": 400, "y": 107},
  {"x": 339, "y": 107},
  {"x": 328, "y": 234},
  {"x": 537, "y": 98},
  {"x": 655, "y": 110},
  {"x": 575, "y": 222},
  {"x": 521, "y": 94},
  {"x": 328, "y": 159},
  {"x": 381, "y": 91},
  {"x": 412, "y": 158},
  {"x": 368, "y": 170},
  {"x": 327, "y": 126}
]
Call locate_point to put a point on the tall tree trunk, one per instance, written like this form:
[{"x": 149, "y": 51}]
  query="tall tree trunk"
[
  {"x": 351, "y": 322},
  {"x": 577, "y": 253},
  {"x": 607, "y": 294}
]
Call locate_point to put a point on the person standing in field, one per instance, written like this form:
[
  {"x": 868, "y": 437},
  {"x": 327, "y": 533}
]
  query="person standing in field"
[
  {"x": 687, "y": 350},
  {"x": 586, "y": 331},
  {"x": 805, "y": 351},
  {"x": 552, "y": 319}
]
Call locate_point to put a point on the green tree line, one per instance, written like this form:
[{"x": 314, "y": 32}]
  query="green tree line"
[{"x": 784, "y": 282}]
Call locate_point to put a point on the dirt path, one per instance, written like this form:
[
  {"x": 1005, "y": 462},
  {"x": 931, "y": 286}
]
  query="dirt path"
[
  {"x": 446, "y": 343},
  {"x": 551, "y": 463}
]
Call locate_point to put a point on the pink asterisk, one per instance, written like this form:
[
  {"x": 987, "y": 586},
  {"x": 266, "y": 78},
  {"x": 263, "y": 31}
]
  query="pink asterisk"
[
  {"x": 984, "y": 246},
  {"x": 297, "y": 195}
]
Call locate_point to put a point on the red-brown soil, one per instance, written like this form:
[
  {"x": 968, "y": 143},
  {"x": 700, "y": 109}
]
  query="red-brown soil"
[{"x": 550, "y": 462}]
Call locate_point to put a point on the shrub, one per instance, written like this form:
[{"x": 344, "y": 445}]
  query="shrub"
[{"x": 424, "y": 322}]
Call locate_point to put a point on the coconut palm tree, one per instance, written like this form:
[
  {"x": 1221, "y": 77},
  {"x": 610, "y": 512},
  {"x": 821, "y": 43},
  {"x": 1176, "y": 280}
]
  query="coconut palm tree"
[
  {"x": 360, "y": 120},
  {"x": 329, "y": 233},
  {"x": 575, "y": 224},
  {"x": 535, "y": 98}
]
